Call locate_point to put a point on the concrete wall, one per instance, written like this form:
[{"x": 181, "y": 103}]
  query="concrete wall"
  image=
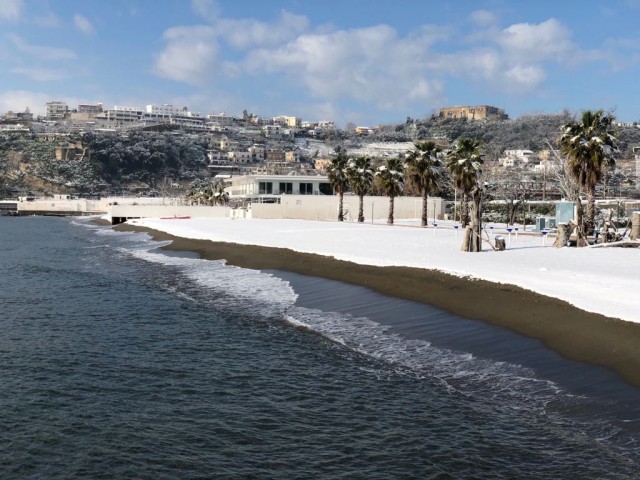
[
  {"x": 158, "y": 211},
  {"x": 70, "y": 207},
  {"x": 306, "y": 207},
  {"x": 321, "y": 207},
  {"x": 84, "y": 206}
]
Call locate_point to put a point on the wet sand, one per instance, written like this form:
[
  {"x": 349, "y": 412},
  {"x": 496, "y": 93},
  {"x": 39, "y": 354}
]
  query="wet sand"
[{"x": 573, "y": 333}]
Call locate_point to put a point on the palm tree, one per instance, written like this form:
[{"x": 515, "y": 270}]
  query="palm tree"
[
  {"x": 464, "y": 162},
  {"x": 391, "y": 180},
  {"x": 198, "y": 192},
  {"x": 360, "y": 178},
  {"x": 424, "y": 169},
  {"x": 219, "y": 196},
  {"x": 338, "y": 175},
  {"x": 589, "y": 146}
]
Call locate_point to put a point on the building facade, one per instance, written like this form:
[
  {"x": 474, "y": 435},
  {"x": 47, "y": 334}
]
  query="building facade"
[
  {"x": 56, "y": 110},
  {"x": 258, "y": 185},
  {"x": 91, "y": 109},
  {"x": 479, "y": 112}
]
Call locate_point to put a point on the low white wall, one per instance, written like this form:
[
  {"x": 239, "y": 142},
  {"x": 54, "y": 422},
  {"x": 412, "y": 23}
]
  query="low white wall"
[
  {"x": 81, "y": 205},
  {"x": 319, "y": 207},
  {"x": 158, "y": 211},
  {"x": 61, "y": 206},
  {"x": 106, "y": 202}
]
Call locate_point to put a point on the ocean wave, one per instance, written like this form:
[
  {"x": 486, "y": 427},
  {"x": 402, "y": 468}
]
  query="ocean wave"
[
  {"x": 227, "y": 286},
  {"x": 267, "y": 296},
  {"x": 461, "y": 371}
]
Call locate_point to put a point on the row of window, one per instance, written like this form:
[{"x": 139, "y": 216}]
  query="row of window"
[{"x": 286, "y": 188}]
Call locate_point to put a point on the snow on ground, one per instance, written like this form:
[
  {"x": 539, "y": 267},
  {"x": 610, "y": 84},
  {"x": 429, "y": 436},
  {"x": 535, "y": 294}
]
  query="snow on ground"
[
  {"x": 601, "y": 280},
  {"x": 382, "y": 149},
  {"x": 371, "y": 149}
]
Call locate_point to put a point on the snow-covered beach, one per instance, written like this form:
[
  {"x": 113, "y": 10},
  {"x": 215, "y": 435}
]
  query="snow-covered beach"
[{"x": 598, "y": 280}]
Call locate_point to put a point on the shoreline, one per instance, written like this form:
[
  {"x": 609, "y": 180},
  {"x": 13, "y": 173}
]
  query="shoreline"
[{"x": 573, "y": 333}]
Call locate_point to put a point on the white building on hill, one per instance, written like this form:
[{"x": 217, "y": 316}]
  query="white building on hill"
[
  {"x": 56, "y": 110},
  {"x": 519, "y": 158}
]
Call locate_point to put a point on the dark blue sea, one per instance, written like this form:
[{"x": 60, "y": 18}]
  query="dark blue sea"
[{"x": 120, "y": 360}]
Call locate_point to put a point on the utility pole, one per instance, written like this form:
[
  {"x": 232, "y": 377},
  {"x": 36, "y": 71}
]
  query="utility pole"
[
  {"x": 636, "y": 153},
  {"x": 544, "y": 181}
]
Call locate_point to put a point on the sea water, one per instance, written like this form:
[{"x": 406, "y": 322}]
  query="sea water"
[{"x": 120, "y": 360}]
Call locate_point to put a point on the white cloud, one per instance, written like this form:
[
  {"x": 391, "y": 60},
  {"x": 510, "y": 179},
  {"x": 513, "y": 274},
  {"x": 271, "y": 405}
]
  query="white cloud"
[
  {"x": 10, "y": 9},
  {"x": 248, "y": 33},
  {"x": 549, "y": 40},
  {"x": 207, "y": 9},
  {"x": 369, "y": 65},
  {"x": 373, "y": 65},
  {"x": 83, "y": 24},
  {"x": 483, "y": 18},
  {"x": 40, "y": 52},
  {"x": 526, "y": 77},
  {"x": 190, "y": 56},
  {"x": 41, "y": 74},
  {"x": 429, "y": 35},
  {"x": 18, "y": 100},
  {"x": 513, "y": 59}
]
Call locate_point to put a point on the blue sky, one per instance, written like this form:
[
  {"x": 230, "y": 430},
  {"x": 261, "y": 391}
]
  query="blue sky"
[{"x": 361, "y": 61}]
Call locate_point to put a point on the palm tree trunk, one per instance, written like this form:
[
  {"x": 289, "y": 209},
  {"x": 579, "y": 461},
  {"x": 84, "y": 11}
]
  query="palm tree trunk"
[
  {"x": 464, "y": 210},
  {"x": 361, "y": 209},
  {"x": 340, "y": 206},
  {"x": 391, "y": 205},
  {"x": 581, "y": 240},
  {"x": 475, "y": 241},
  {"x": 425, "y": 204},
  {"x": 590, "y": 222}
]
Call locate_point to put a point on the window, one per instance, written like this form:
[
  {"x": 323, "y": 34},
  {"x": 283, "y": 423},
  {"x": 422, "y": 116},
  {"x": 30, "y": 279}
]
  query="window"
[
  {"x": 306, "y": 189},
  {"x": 265, "y": 188},
  {"x": 325, "y": 189},
  {"x": 286, "y": 188}
]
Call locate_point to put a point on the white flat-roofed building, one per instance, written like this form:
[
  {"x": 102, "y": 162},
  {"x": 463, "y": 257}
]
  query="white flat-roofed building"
[
  {"x": 56, "y": 110},
  {"x": 14, "y": 127},
  {"x": 221, "y": 119},
  {"x": 524, "y": 158},
  {"x": 165, "y": 109},
  {"x": 91, "y": 108},
  {"x": 287, "y": 121},
  {"x": 259, "y": 185},
  {"x": 122, "y": 115},
  {"x": 123, "y": 108}
]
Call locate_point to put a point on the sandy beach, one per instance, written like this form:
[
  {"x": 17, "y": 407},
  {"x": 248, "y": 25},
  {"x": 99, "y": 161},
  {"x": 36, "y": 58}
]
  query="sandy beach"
[{"x": 570, "y": 331}]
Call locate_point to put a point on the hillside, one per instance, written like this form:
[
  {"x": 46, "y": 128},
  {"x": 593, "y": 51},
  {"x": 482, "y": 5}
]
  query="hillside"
[{"x": 152, "y": 160}]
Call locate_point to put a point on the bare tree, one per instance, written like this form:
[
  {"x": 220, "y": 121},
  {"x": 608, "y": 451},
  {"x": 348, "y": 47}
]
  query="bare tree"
[
  {"x": 559, "y": 171},
  {"x": 513, "y": 187}
]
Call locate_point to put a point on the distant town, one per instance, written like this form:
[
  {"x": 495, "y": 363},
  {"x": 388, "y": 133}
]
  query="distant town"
[{"x": 164, "y": 148}]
